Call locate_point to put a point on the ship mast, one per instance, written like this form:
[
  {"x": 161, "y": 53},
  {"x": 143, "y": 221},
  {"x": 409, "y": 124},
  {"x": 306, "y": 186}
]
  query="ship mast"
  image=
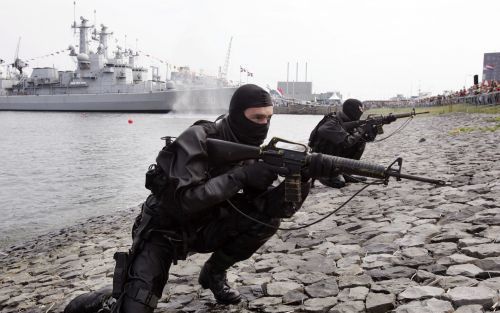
[
  {"x": 84, "y": 48},
  {"x": 103, "y": 40}
]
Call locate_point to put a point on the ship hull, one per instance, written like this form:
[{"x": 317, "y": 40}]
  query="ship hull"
[
  {"x": 133, "y": 102},
  {"x": 200, "y": 100}
]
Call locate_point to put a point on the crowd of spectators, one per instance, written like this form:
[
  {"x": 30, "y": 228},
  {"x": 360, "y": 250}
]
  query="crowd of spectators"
[
  {"x": 485, "y": 87},
  {"x": 488, "y": 92}
]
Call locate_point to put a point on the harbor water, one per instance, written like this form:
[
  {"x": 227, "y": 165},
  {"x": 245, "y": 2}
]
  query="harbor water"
[{"x": 59, "y": 168}]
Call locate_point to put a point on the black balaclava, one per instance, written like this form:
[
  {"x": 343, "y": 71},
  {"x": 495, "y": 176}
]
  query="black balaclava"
[
  {"x": 246, "y": 131},
  {"x": 353, "y": 108}
]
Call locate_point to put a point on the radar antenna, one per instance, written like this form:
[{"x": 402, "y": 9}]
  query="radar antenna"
[{"x": 74, "y": 18}]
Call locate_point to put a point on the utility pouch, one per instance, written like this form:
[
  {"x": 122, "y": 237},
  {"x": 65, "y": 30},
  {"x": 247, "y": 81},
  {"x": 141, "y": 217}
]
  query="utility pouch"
[
  {"x": 150, "y": 176},
  {"x": 156, "y": 180},
  {"x": 120, "y": 274},
  {"x": 157, "y": 177}
]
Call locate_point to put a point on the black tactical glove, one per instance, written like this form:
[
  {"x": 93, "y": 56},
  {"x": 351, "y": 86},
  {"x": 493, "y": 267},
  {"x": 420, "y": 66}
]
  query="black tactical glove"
[
  {"x": 391, "y": 118},
  {"x": 369, "y": 132},
  {"x": 260, "y": 175}
]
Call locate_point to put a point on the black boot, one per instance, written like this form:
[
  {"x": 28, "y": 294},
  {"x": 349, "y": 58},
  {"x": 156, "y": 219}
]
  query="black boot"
[
  {"x": 354, "y": 179},
  {"x": 334, "y": 182},
  {"x": 92, "y": 302},
  {"x": 217, "y": 283}
]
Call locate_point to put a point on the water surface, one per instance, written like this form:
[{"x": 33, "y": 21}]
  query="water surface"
[{"x": 58, "y": 168}]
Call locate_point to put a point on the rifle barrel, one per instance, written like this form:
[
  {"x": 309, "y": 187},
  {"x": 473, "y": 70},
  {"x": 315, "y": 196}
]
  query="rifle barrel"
[
  {"x": 402, "y": 115},
  {"x": 417, "y": 178}
]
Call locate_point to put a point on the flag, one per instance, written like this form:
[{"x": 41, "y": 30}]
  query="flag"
[
  {"x": 489, "y": 67},
  {"x": 280, "y": 91},
  {"x": 249, "y": 74},
  {"x": 242, "y": 69}
]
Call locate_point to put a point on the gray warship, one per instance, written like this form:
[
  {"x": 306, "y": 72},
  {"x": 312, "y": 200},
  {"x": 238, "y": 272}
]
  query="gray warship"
[{"x": 106, "y": 81}]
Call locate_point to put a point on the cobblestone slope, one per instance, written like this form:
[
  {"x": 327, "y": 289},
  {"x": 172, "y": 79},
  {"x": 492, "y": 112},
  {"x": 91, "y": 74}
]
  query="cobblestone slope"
[{"x": 406, "y": 247}]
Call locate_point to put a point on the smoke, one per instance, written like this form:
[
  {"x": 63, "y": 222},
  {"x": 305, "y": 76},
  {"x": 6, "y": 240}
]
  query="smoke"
[{"x": 208, "y": 100}]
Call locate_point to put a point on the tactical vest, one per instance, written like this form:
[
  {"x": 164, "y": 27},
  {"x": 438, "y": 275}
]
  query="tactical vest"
[{"x": 158, "y": 179}]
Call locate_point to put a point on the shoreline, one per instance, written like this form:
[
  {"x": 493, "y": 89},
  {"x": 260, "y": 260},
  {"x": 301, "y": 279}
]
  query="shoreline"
[
  {"x": 407, "y": 246},
  {"x": 305, "y": 109},
  {"x": 10, "y": 246}
]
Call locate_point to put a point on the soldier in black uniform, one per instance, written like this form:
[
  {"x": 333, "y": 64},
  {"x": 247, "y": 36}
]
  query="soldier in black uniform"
[
  {"x": 193, "y": 212},
  {"x": 333, "y": 136}
]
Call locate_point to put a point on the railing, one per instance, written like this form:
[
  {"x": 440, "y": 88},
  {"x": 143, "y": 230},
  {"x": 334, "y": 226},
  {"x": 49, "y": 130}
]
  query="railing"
[
  {"x": 487, "y": 98},
  {"x": 492, "y": 98}
]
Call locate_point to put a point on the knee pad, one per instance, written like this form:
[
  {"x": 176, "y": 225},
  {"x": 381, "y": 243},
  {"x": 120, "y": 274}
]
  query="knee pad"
[{"x": 142, "y": 296}]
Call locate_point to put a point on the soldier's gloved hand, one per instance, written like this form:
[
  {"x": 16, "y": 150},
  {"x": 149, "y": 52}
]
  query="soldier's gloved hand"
[
  {"x": 369, "y": 132},
  {"x": 391, "y": 118},
  {"x": 260, "y": 175}
]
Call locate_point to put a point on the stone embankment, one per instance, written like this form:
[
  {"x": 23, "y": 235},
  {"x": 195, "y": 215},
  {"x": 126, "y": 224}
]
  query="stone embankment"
[
  {"x": 305, "y": 109},
  {"x": 407, "y": 247}
]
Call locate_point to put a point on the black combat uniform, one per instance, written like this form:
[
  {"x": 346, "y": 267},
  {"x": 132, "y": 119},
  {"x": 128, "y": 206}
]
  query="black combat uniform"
[
  {"x": 333, "y": 136},
  {"x": 193, "y": 214}
]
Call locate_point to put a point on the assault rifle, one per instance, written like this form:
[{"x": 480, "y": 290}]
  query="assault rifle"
[
  {"x": 299, "y": 159},
  {"x": 377, "y": 121}
]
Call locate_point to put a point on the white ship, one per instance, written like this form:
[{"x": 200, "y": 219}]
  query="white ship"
[{"x": 108, "y": 82}]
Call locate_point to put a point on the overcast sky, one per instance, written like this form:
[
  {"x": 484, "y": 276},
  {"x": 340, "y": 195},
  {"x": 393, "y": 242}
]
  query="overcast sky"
[{"x": 365, "y": 49}]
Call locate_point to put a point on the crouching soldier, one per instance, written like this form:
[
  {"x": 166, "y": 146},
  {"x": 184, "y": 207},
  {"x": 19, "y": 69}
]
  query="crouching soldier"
[
  {"x": 334, "y": 136},
  {"x": 191, "y": 209}
]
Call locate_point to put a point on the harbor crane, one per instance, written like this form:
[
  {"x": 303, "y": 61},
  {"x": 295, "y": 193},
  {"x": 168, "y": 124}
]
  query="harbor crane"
[
  {"x": 18, "y": 63},
  {"x": 225, "y": 69}
]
